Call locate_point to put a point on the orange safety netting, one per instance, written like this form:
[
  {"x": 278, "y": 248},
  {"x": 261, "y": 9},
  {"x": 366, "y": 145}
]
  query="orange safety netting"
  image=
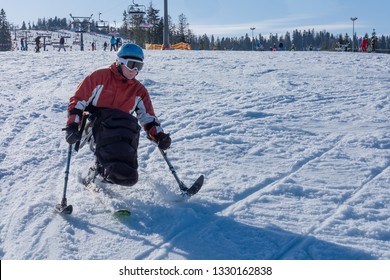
[{"x": 178, "y": 46}]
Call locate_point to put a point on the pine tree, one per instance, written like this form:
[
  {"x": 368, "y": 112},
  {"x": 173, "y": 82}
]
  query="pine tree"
[
  {"x": 183, "y": 31},
  {"x": 5, "y": 33},
  {"x": 155, "y": 33},
  {"x": 137, "y": 33}
]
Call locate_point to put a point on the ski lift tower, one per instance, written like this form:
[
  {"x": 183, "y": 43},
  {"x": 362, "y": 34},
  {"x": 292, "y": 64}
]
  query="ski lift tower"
[
  {"x": 353, "y": 32},
  {"x": 81, "y": 25},
  {"x": 166, "y": 27},
  {"x": 252, "y": 28}
]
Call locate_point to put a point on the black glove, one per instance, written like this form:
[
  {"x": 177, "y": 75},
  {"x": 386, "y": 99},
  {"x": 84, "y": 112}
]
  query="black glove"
[
  {"x": 72, "y": 133},
  {"x": 163, "y": 140}
]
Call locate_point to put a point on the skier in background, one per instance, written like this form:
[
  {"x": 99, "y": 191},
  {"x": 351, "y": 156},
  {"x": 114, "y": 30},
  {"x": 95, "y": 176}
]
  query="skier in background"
[
  {"x": 364, "y": 44},
  {"x": 37, "y": 43},
  {"x": 62, "y": 44},
  {"x": 118, "y": 43},
  {"x": 112, "y": 95},
  {"x": 22, "y": 48},
  {"x": 293, "y": 47},
  {"x": 113, "y": 43},
  {"x": 373, "y": 43}
]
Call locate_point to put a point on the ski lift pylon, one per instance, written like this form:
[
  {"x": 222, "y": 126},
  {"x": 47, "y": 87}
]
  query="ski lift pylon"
[{"x": 136, "y": 9}]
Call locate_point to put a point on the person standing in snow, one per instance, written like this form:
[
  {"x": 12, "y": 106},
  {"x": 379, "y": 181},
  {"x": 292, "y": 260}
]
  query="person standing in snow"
[
  {"x": 293, "y": 47},
  {"x": 364, "y": 44},
  {"x": 118, "y": 43},
  {"x": 22, "y": 44},
  {"x": 112, "y": 95},
  {"x": 113, "y": 43},
  {"x": 62, "y": 44},
  {"x": 373, "y": 43},
  {"x": 37, "y": 43}
]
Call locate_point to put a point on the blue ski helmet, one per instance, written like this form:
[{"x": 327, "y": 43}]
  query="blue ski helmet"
[{"x": 132, "y": 51}]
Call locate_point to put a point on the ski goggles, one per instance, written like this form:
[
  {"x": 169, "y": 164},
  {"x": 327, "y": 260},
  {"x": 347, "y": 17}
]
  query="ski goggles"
[{"x": 131, "y": 63}]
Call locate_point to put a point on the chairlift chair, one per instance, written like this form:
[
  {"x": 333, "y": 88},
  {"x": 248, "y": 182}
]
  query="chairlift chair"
[
  {"x": 146, "y": 25},
  {"x": 101, "y": 24},
  {"x": 113, "y": 33},
  {"x": 136, "y": 9},
  {"x": 81, "y": 24}
]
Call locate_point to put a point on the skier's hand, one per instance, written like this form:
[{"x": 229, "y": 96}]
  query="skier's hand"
[
  {"x": 163, "y": 140},
  {"x": 72, "y": 133}
]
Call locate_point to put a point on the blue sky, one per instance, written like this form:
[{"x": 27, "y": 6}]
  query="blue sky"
[{"x": 227, "y": 18}]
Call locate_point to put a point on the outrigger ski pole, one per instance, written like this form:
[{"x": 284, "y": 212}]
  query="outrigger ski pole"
[
  {"x": 63, "y": 207},
  {"x": 185, "y": 190}
]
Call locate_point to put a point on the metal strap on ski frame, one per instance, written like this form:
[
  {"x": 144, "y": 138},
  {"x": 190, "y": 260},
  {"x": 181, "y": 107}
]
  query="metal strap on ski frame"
[
  {"x": 86, "y": 130},
  {"x": 83, "y": 122}
]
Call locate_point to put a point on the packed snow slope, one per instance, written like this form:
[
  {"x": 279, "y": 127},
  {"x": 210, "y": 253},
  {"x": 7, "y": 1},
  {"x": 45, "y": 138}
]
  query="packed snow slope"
[{"x": 294, "y": 146}]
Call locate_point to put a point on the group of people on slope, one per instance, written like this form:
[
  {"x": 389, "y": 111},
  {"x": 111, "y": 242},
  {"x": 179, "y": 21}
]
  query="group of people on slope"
[
  {"x": 115, "y": 43},
  {"x": 364, "y": 44}
]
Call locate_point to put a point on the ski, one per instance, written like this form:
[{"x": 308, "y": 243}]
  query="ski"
[{"x": 107, "y": 199}]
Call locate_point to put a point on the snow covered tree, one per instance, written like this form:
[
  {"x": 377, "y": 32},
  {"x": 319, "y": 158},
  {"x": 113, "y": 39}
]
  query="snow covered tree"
[{"x": 5, "y": 33}]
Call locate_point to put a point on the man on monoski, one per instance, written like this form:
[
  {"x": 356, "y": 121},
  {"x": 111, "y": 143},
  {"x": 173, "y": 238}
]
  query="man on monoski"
[{"x": 112, "y": 95}]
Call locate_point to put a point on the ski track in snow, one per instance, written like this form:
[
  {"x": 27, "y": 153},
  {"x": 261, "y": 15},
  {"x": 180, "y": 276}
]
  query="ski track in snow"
[{"x": 295, "y": 149}]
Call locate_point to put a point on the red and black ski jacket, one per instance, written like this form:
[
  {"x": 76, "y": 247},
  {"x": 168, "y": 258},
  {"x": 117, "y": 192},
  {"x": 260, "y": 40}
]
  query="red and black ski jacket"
[{"x": 108, "y": 88}]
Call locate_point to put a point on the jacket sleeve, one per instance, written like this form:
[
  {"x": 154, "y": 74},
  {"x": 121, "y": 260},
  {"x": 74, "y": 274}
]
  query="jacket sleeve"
[
  {"x": 87, "y": 91},
  {"x": 146, "y": 116}
]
